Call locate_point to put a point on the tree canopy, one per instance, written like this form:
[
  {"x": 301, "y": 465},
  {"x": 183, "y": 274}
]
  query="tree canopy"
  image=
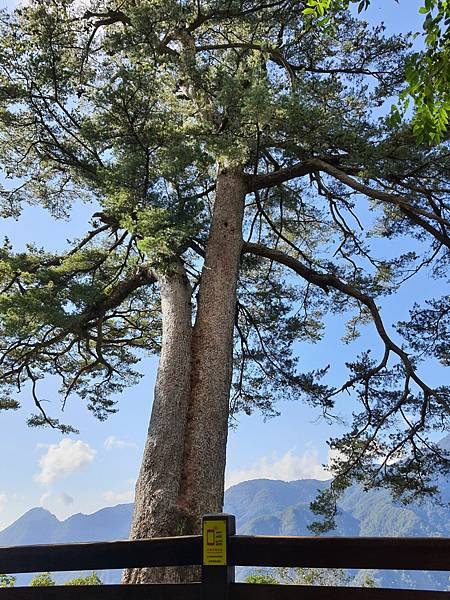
[
  {"x": 310, "y": 577},
  {"x": 136, "y": 108},
  {"x": 46, "y": 580},
  {"x": 427, "y": 73}
]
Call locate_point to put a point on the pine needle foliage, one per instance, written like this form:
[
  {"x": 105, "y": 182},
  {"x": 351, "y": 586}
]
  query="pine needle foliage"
[{"x": 131, "y": 108}]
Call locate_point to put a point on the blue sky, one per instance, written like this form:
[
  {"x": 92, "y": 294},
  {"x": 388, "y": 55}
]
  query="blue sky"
[{"x": 99, "y": 466}]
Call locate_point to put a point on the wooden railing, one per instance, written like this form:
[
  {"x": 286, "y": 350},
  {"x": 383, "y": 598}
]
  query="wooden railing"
[{"x": 219, "y": 551}]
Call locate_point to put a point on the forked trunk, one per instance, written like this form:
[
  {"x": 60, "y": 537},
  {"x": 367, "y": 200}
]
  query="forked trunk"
[
  {"x": 182, "y": 473},
  {"x": 212, "y": 353},
  {"x": 156, "y": 509}
]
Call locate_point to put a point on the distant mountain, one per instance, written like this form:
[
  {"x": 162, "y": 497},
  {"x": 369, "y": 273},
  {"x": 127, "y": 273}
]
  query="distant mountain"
[
  {"x": 33, "y": 527},
  {"x": 283, "y": 507},
  {"x": 39, "y": 526},
  {"x": 372, "y": 513},
  {"x": 267, "y": 507},
  {"x": 271, "y": 507}
]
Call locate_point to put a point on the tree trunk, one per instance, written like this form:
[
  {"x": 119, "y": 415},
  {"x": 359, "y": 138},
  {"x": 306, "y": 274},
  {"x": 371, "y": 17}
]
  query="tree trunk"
[
  {"x": 182, "y": 473},
  {"x": 212, "y": 353},
  {"x": 156, "y": 509}
]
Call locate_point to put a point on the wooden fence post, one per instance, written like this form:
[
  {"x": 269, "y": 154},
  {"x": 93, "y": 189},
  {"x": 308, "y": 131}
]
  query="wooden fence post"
[{"x": 217, "y": 573}]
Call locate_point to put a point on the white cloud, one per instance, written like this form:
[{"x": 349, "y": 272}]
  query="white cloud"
[
  {"x": 65, "y": 498},
  {"x": 2, "y": 501},
  {"x": 118, "y": 497},
  {"x": 287, "y": 468},
  {"x": 62, "y": 459},
  {"x": 43, "y": 499},
  {"x": 113, "y": 442}
]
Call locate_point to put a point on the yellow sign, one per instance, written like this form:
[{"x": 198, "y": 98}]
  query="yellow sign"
[{"x": 215, "y": 542}]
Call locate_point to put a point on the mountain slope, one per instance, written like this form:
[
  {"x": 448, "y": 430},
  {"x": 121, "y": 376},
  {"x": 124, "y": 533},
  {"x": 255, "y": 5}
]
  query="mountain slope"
[
  {"x": 39, "y": 526},
  {"x": 261, "y": 507},
  {"x": 371, "y": 513},
  {"x": 34, "y": 527}
]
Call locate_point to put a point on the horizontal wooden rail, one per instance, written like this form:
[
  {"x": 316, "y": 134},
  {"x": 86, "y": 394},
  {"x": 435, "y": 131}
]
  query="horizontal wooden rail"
[
  {"x": 429, "y": 554},
  {"x": 176, "y": 591},
  {"x": 242, "y": 591},
  {"x": 195, "y": 591},
  {"x": 157, "y": 552},
  {"x": 425, "y": 554}
]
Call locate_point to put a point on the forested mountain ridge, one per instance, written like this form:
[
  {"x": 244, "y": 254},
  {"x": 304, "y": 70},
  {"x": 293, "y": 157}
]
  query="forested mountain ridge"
[{"x": 264, "y": 506}]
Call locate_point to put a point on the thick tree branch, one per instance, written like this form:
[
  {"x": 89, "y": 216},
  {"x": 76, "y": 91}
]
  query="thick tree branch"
[
  {"x": 390, "y": 198},
  {"x": 330, "y": 281},
  {"x": 275, "y": 55},
  {"x": 416, "y": 214},
  {"x": 144, "y": 275},
  {"x": 259, "y": 182},
  {"x": 228, "y": 13},
  {"x": 278, "y": 58},
  {"x": 279, "y": 176},
  {"x": 108, "y": 17}
]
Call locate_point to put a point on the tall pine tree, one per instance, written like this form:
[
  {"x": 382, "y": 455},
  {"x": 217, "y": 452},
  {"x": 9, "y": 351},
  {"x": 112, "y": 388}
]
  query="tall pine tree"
[{"x": 240, "y": 175}]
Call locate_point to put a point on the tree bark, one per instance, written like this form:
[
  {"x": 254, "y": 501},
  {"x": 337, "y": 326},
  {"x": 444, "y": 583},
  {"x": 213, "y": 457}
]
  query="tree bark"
[
  {"x": 212, "y": 352},
  {"x": 182, "y": 472},
  {"x": 156, "y": 509}
]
